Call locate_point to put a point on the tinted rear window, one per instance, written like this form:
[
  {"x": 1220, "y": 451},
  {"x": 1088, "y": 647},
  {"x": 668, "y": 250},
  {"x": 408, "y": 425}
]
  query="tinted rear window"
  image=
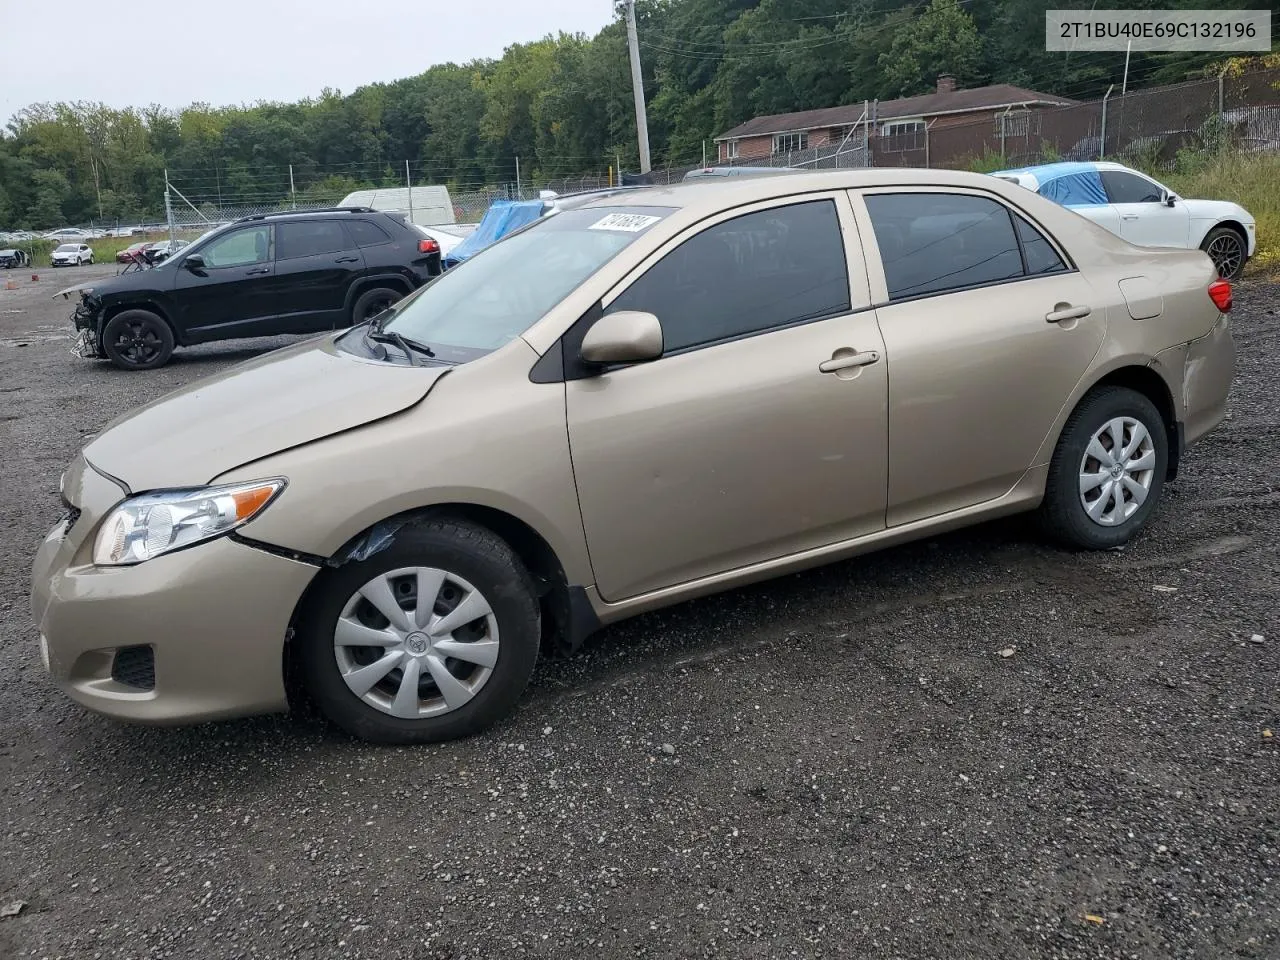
[
  {"x": 367, "y": 233},
  {"x": 309, "y": 238},
  {"x": 931, "y": 242}
]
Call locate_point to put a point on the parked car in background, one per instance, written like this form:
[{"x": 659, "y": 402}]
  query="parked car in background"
[
  {"x": 163, "y": 250},
  {"x": 71, "y": 255},
  {"x": 133, "y": 252},
  {"x": 261, "y": 276},
  {"x": 14, "y": 257},
  {"x": 1144, "y": 211},
  {"x": 67, "y": 234},
  {"x": 649, "y": 397}
]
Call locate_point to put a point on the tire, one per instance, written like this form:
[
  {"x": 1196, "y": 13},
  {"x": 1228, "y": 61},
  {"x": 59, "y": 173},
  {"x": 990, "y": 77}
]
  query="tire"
[
  {"x": 1063, "y": 513},
  {"x": 90, "y": 259},
  {"x": 1228, "y": 250},
  {"x": 372, "y": 302},
  {"x": 137, "y": 340},
  {"x": 466, "y": 558}
]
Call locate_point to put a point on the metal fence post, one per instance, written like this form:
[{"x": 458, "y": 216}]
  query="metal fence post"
[
  {"x": 408, "y": 182},
  {"x": 168, "y": 209},
  {"x": 1102, "y": 144}
]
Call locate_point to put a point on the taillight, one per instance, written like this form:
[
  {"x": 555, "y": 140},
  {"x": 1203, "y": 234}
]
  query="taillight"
[
  {"x": 1220, "y": 294},
  {"x": 428, "y": 246}
]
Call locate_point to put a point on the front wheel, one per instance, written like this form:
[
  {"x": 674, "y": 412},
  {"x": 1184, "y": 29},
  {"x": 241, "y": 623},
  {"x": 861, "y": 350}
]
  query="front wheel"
[
  {"x": 137, "y": 340},
  {"x": 1107, "y": 471},
  {"x": 432, "y": 638},
  {"x": 1228, "y": 251}
]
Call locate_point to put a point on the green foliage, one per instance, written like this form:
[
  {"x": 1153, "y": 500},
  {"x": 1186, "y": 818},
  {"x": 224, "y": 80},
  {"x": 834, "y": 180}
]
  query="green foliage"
[
  {"x": 942, "y": 40},
  {"x": 988, "y": 162},
  {"x": 562, "y": 104}
]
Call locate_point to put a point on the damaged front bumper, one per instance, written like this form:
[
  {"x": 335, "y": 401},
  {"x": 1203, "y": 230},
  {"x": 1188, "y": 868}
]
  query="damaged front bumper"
[{"x": 87, "y": 343}]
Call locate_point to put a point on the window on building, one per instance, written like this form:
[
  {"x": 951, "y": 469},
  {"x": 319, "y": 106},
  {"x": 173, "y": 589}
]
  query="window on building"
[
  {"x": 731, "y": 150},
  {"x": 899, "y": 135},
  {"x": 788, "y": 142}
]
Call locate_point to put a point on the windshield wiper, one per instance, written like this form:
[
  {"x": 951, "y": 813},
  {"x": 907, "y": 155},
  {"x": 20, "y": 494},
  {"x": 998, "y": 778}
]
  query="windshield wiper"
[{"x": 407, "y": 345}]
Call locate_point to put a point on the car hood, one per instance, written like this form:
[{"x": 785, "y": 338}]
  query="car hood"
[
  {"x": 281, "y": 400},
  {"x": 1216, "y": 210}
]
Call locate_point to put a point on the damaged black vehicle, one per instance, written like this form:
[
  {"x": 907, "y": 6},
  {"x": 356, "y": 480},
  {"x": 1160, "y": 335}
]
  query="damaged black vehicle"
[{"x": 262, "y": 276}]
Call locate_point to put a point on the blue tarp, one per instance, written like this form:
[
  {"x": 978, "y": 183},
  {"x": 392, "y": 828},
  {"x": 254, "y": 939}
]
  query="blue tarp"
[
  {"x": 504, "y": 217},
  {"x": 1070, "y": 184}
]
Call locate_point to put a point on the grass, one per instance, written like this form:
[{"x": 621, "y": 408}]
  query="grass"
[{"x": 1251, "y": 180}]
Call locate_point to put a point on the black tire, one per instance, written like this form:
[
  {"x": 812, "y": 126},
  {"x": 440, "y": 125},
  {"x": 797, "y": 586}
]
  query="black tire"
[
  {"x": 372, "y": 302},
  {"x": 468, "y": 551},
  {"x": 1228, "y": 250},
  {"x": 1062, "y": 514},
  {"x": 137, "y": 340}
]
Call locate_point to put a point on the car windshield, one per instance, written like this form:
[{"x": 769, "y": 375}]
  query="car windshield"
[
  {"x": 68, "y": 248},
  {"x": 495, "y": 296}
]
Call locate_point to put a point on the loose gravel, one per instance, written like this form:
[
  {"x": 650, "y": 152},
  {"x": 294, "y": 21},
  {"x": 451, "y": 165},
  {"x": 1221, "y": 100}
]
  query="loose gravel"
[{"x": 975, "y": 746}]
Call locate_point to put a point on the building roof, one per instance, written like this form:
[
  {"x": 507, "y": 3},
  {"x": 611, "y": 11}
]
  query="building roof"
[{"x": 927, "y": 105}]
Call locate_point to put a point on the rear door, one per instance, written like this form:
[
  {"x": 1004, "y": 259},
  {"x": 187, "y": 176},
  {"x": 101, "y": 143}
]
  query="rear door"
[
  {"x": 231, "y": 295},
  {"x": 987, "y": 329},
  {"x": 1144, "y": 218},
  {"x": 316, "y": 262},
  {"x": 760, "y": 432}
]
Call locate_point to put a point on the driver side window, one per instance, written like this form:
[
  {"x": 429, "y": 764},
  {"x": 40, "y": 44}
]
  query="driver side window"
[
  {"x": 239, "y": 249},
  {"x": 1127, "y": 188}
]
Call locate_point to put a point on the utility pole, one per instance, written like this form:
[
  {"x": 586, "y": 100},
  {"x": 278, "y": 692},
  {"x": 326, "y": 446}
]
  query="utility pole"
[{"x": 637, "y": 86}]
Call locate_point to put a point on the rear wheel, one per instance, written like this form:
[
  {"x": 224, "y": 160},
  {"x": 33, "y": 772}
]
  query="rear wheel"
[
  {"x": 1228, "y": 251},
  {"x": 137, "y": 340},
  {"x": 372, "y": 302},
  {"x": 1108, "y": 470},
  {"x": 432, "y": 638}
]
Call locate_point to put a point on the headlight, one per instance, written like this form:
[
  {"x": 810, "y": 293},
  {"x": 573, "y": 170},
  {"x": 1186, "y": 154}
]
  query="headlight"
[{"x": 144, "y": 527}]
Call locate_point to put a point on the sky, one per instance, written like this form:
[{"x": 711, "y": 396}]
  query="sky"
[{"x": 224, "y": 52}]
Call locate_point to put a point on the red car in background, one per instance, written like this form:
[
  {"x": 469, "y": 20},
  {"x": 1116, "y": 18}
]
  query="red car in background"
[{"x": 132, "y": 252}]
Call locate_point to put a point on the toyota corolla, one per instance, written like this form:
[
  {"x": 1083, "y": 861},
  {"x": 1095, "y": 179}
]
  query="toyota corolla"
[{"x": 648, "y": 397}]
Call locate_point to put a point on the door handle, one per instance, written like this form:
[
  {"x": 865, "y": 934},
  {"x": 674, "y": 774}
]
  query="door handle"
[
  {"x": 844, "y": 359},
  {"x": 1064, "y": 311},
  {"x": 1128, "y": 216},
  {"x": 257, "y": 272},
  {"x": 347, "y": 260}
]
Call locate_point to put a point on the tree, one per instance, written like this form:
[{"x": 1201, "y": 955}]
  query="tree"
[{"x": 942, "y": 40}]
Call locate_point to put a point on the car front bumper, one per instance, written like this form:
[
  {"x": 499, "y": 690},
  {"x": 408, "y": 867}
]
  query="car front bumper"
[{"x": 211, "y": 620}]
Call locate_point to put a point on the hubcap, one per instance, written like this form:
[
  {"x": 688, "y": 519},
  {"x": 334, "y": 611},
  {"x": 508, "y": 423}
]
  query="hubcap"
[
  {"x": 138, "y": 342},
  {"x": 416, "y": 642},
  {"x": 1226, "y": 253},
  {"x": 1116, "y": 471}
]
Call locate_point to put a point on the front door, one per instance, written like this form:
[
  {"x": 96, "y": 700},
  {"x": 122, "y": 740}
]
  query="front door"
[
  {"x": 987, "y": 330},
  {"x": 1144, "y": 218},
  {"x": 231, "y": 295},
  {"x": 760, "y": 432},
  {"x": 316, "y": 263}
]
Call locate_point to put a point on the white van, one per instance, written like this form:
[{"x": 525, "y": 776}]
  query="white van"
[{"x": 426, "y": 206}]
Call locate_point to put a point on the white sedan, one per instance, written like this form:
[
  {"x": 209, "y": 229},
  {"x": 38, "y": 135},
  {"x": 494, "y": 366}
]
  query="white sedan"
[
  {"x": 1145, "y": 211},
  {"x": 71, "y": 255}
]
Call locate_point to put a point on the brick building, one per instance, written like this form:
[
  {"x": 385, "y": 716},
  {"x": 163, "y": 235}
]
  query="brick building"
[{"x": 896, "y": 124}]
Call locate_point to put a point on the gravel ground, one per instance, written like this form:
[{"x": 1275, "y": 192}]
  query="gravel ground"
[{"x": 838, "y": 763}]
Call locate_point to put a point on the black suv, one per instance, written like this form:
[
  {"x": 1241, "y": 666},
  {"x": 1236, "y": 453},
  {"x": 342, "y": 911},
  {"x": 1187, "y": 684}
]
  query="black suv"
[{"x": 257, "y": 277}]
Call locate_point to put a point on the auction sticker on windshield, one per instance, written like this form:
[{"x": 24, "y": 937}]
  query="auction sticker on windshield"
[{"x": 628, "y": 222}]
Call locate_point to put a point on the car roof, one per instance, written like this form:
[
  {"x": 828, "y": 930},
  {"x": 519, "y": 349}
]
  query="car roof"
[{"x": 710, "y": 194}]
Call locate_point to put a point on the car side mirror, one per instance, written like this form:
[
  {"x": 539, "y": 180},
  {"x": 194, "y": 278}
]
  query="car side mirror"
[
  {"x": 627, "y": 336},
  {"x": 1169, "y": 199},
  {"x": 194, "y": 263}
]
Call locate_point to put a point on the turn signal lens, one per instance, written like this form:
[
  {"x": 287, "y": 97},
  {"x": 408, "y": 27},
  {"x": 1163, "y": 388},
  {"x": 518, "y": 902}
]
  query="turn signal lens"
[
  {"x": 144, "y": 527},
  {"x": 428, "y": 246},
  {"x": 1220, "y": 294}
]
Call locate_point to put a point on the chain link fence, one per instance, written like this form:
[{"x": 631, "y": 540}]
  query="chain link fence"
[{"x": 1146, "y": 128}]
